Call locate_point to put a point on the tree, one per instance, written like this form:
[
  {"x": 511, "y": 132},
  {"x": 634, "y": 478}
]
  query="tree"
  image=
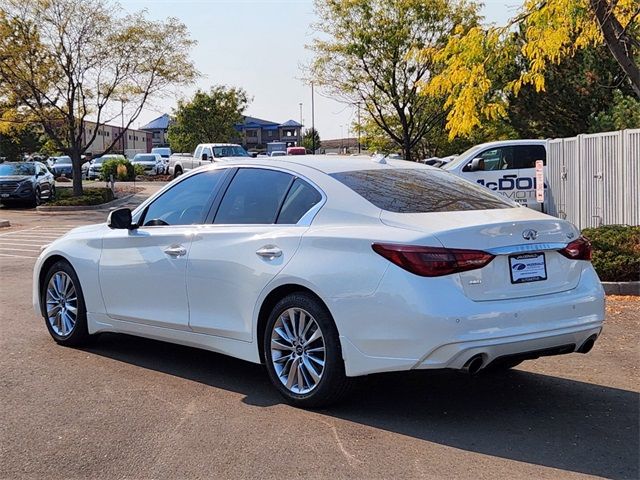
[
  {"x": 576, "y": 89},
  {"x": 64, "y": 63},
  {"x": 16, "y": 137},
  {"x": 551, "y": 31},
  {"x": 207, "y": 117},
  {"x": 308, "y": 139},
  {"x": 364, "y": 56},
  {"x": 624, "y": 112}
]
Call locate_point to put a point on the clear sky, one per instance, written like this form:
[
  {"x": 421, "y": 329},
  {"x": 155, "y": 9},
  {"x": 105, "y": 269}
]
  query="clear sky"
[{"x": 260, "y": 45}]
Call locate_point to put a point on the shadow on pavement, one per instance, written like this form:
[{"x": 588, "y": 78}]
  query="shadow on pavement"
[{"x": 528, "y": 417}]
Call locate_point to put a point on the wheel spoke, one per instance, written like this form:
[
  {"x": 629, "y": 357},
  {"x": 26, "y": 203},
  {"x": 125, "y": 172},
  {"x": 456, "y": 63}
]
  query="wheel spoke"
[
  {"x": 300, "y": 379},
  {"x": 316, "y": 360},
  {"x": 316, "y": 335},
  {"x": 316, "y": 350},
  {"x": 286, "y": 327},
  {"x": 301, "y": 324},
  {"x": 292, "y": 374},
  {"x": 279, "y": 346},
  {"x": 283, "y": 334},
  {"x": 312, "y": 371}
]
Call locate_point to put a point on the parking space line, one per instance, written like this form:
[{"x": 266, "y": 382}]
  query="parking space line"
[
  {"x": 16, "y": 256},
  {"x": 13, "y": 249}
]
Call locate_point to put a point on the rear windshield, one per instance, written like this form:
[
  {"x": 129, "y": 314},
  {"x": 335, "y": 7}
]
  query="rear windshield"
[{"x": 420, "y": 191}]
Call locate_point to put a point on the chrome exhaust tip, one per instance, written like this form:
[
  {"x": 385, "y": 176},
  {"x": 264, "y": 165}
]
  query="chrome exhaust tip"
[
  {"x": 588, "y": 344},
  {"x": 473, "y": 365}
]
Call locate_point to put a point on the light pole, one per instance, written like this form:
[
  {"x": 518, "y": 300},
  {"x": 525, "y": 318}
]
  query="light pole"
[
  {"x": 313, "y": 125},
  {"x": 359, "y": 128},
  {"x": 301, "y": 123}
]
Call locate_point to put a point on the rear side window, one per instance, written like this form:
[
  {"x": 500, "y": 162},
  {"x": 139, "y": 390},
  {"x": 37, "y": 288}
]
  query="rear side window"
[
  {"x": 253, "y": 197},
  {"x": 525, "y": 156},
  {"x": 300, "y": 199},
  {"x": 420, "y": 191}
]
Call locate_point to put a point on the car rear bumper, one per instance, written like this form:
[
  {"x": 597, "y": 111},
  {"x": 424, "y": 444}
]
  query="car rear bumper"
[{"x": 417, "y": 323}]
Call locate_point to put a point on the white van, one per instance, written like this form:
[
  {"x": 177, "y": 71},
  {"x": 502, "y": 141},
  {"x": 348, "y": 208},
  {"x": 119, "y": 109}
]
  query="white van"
[{"x": 506, "y": 166}]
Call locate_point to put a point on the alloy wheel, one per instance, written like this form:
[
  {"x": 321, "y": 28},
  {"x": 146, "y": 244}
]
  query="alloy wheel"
[
  {"x": 62, "y": 304},
  {"x": 298, "y": 350}
]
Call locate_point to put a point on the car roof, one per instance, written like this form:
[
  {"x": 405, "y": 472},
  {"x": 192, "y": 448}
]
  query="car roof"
[
  {"x": 219, "y": 144},
  {"x": 329, "y": 164},
  {"x": 502, "y": 143}
]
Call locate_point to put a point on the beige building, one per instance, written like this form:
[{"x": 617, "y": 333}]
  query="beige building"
[{"x": 133, "y": 140}]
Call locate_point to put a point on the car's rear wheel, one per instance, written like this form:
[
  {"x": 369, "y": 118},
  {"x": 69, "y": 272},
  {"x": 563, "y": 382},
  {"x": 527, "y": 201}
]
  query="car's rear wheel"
[
  {"x": 52, "y": 193},
  {"x": 177, "y": 172},
  {"x": 63, "y": 305},
  {"x": 302, "y": 352}
]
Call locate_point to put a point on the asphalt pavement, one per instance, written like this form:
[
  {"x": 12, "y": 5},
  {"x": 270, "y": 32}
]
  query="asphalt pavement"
[{"x": 131, "y": 408}]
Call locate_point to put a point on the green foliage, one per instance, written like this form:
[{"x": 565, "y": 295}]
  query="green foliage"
[
  {"x": 308, "y": 139},
  {"x": 207, "y": 118},
  {"x": 138, "y": 169},
  {"x": 484, "y": 66},
  {"x": 15, "y": 143},
  {"x": 365, "y": 54},
  {"x": 576, "y": 89},
  {"x": 121, "y": 169},
  {"x": 90, "y": 196},
  {"x": 616, "y": 252},
  {"x": 624, "y": 112},
  {"x": 64, "y": 63}
]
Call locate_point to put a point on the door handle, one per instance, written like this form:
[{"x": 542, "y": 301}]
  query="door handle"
[
  {"x": 176, "y": 251},
  {"x": 269, "y": 252}
]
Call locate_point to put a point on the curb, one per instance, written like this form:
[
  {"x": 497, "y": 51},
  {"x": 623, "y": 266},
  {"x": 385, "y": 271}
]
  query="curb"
[
  {"x": 621, "y": 288},
  {"x": 5, "y": 223},
  {"x": 81, "y": 208}
]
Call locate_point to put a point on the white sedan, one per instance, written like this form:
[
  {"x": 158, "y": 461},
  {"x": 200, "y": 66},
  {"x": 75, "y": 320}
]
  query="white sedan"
[{"x": 328, "y": 268}]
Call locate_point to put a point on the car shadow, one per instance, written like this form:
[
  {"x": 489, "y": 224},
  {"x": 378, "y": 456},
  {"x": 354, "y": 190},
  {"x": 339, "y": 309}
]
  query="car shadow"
[{"x": 517, "y": 415}]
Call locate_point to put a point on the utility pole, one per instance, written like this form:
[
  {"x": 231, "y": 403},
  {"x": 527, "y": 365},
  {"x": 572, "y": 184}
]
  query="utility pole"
[
  {"x": 313, "y": 124},
  {"x": 359, "y": 128},
  {"x": 301, "y": 124}
]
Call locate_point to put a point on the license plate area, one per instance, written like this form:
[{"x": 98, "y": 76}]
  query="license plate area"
[{"x": 527, "y": 267}]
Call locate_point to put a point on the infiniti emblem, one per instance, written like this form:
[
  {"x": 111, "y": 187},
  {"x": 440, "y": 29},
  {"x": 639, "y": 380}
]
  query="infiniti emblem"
[{"x": 530, "y": 234}]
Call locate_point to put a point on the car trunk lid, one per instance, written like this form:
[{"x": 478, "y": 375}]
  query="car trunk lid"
[{"x": 525, "y": 244}]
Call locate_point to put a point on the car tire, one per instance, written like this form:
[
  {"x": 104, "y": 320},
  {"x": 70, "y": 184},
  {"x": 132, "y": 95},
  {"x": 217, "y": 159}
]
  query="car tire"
[
  {"x": 177, "y": 172},
  {"x": 52, "y": 193},
  {"x": 37, "y": 197},
  {"x": 61, "y": 293},
  {"x": 307, "y": 345}
]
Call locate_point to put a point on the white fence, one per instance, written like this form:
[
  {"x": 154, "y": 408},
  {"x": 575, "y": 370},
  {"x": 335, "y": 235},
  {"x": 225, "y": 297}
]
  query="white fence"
[{"x": 595, "y": 179}]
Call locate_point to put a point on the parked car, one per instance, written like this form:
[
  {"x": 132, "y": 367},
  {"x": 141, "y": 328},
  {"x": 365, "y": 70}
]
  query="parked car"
[
  {"x": 93, "y": 169},
  {"x": 278, "y": 153},
  {"x": 151, "y": 162},
  {"x": 165, "y": 153},
  {"x": 296, "y": 151},
  {"x": 61, "y": 166},
  {"x": 506, "y": 167},
  {"x": 326, "y": 269},
  {"x": 204, "y": 154},
  {"x": 26, "y": 182}
]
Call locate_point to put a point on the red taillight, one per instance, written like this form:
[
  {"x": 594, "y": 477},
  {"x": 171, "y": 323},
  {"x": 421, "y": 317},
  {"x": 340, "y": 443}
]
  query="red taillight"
[
  {"x": 579, "y": 249},
  {"x": 432, "y": 261}
]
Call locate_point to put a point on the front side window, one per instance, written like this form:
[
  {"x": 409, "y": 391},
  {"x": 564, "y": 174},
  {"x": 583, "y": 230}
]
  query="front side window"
[
  {"x": 253, "y": 197},
  {"x": 410, "y": 190},
  {"x": 186, "y": 203}
]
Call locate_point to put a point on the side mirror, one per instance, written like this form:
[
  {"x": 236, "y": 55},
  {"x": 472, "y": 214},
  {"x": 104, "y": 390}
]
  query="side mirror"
[
  {"x": 475, "y": 165},
  {"x": 120, "y": 219},
  {"x": 205, "y": 157}
]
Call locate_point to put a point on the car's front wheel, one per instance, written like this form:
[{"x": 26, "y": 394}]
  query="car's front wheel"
[
  {"x": 303, "y": 354},
  {"x": 63, "y": 305}
]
